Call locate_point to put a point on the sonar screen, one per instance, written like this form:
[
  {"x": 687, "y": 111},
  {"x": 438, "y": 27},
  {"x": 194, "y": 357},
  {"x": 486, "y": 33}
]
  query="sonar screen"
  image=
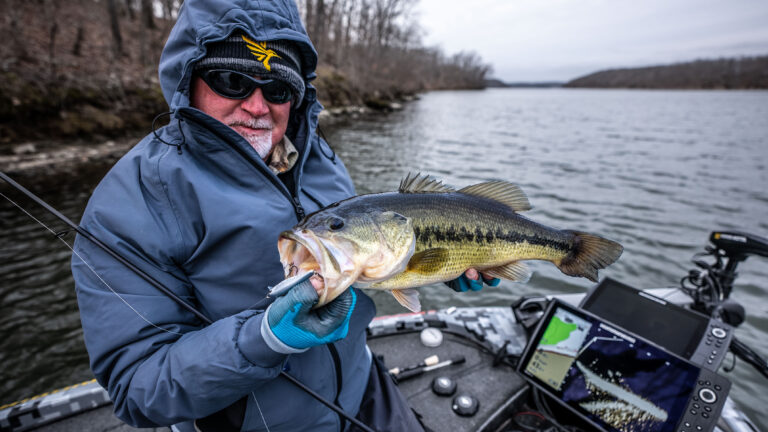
[{"x": 608, "y": 376}]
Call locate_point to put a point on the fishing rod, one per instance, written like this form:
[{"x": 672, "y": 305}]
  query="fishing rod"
[{"x": 152, "y": 281}]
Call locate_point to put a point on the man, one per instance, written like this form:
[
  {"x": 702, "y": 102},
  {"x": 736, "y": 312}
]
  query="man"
[{"x": 198, "y": 205}]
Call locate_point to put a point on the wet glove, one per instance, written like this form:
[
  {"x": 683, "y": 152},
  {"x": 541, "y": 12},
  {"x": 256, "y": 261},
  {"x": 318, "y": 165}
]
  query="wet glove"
[
  {"x": 290, "y": 325},
  {"x": 464, "y": 284}
]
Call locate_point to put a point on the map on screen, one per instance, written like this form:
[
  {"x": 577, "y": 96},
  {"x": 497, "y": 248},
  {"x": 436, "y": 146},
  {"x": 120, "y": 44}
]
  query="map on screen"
[
  {"x": 612, "y": 378},
  {"x": 558, "y": 348}
]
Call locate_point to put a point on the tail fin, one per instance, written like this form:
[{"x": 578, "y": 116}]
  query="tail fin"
[{"x": 590, "y": 253}]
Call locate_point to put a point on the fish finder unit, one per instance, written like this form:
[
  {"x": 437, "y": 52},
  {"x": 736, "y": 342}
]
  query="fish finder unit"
[
  {"x": 617, "y": 381},
  {"x": 689, "y": 334}
]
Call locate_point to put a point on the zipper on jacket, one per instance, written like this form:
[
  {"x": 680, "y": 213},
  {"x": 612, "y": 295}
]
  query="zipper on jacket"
[
  {"x": 300, "y": 213},
  {"x": 297, "y": 208},
  {"x": 337, "y": 366}
]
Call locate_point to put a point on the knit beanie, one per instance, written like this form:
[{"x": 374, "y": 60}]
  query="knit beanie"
[{"x": 268, "y": 60}]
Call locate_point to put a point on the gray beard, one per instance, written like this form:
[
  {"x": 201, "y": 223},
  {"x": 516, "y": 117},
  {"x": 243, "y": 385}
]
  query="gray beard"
[{"x": 262, "y": 143}]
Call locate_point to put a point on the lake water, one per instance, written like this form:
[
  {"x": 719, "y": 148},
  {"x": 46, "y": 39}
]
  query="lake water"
[{"x": 655, "y": 170}]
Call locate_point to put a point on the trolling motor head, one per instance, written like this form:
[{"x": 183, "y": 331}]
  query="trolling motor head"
[
  {"x": 738, "y": 245},
  {"x": 710, "y": 286}
]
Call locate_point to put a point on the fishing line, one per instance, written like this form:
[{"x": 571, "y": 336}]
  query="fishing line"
[
  {"x": 149, "y": 279},
  {"x": 60, "y": 236},
  {"x": 260, "y": 413}
]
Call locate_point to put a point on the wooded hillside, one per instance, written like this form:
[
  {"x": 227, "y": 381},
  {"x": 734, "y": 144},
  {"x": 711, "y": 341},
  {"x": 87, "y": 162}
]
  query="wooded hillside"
[
  {"x": 79, "y": 68},
  {"x": 738, "y": 73}
]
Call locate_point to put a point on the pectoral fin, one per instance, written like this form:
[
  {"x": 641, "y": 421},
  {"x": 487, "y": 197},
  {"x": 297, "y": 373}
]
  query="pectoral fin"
[
  {"x": 409, "y": 298},
  {"x": 428, "y": 261},
  {"x": 515, "y": 271}
]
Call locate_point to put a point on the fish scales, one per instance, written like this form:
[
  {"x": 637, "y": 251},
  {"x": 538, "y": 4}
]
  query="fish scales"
[
  {"x": 477, "y": 232},
  {"x": 428, "y": 232}
]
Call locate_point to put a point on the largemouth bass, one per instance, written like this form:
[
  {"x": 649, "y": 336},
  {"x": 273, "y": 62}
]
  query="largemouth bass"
[{"x": 428, "y": 232}]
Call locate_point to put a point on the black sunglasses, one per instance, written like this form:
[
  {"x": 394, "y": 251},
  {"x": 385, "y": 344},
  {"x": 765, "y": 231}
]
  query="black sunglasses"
[{"x": 236, "y": 85}]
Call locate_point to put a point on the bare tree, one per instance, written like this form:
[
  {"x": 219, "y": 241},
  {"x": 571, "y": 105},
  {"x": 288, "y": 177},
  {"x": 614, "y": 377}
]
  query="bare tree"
[
  {"x": 79, "y": 38},
  {"x": 114, "y": 23},
  {"x": 318, "y": 27},
  {"x": 147, "y": 13},
  {"x": 129, "y": 10},
  {"x": 50, "y": 11},
  {"x": 14, "y": 18}
]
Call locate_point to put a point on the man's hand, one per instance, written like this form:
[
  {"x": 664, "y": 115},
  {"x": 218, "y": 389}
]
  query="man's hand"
[
  {"x": 471, "y": 281},
  {"x": 290, "y": 325}
]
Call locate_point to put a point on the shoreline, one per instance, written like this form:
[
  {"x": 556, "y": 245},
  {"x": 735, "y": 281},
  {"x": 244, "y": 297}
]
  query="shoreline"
[{"x": 45, "y": 158}]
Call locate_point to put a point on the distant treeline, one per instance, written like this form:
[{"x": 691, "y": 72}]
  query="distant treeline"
[
  {"x": 737, "y": 73},
  {"x": 372, "y": 48},
  {"x": 524, "y": 84},
  {"x": 89, "y": 67}
]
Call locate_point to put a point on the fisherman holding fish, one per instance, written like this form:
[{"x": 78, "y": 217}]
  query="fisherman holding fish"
[{"x": 199, "y": 205}]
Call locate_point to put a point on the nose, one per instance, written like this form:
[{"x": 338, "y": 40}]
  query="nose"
[{"x": 255, "y": 104}]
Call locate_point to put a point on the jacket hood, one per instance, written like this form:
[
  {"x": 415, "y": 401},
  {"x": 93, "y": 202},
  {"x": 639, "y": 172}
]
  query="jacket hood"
[{"x": 204, "y": 21}]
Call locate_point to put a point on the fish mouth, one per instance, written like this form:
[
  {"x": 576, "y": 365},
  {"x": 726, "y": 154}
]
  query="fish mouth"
[{"x": 303, "y": 251}]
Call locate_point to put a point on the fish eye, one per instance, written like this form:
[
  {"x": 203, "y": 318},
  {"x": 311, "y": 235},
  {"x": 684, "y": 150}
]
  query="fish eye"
[{"x": 336, "y": 224}]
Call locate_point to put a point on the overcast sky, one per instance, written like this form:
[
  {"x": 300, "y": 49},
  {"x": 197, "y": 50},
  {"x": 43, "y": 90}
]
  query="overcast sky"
[{"x": 557, "y": 40}]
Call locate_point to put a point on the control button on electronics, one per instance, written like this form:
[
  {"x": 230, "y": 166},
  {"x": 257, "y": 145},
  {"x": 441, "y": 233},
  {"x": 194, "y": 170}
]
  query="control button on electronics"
[
  {"x": 443, "y": 386},
  {"x": 705, "y": 415},
  {"x": 719, "y": 333},
  {"x": 707, "y": 396},
  {"x": 717, "y": 387},
  {"x": 465, "y": 405}
]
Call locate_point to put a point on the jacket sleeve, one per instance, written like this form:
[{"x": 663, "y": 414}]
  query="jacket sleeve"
[{"x": 159, "y": 363}]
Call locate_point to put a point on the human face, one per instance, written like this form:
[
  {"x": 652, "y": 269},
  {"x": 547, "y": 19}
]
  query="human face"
[{"x": 261, "y": 123}]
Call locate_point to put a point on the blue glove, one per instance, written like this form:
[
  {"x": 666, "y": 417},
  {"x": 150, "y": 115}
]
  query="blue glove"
[
  {"x": 464, "y": 284},
  {"x": 290, "y": 325}
]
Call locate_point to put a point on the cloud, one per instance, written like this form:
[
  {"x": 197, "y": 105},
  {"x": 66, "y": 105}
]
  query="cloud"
[{"x": 534, "y": 40}]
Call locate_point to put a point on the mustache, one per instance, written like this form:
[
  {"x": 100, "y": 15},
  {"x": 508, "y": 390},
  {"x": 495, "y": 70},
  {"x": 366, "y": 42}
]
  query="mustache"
[{"x": 261, "y": 123}]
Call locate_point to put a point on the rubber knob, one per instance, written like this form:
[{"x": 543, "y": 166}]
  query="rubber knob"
[
  {"x": 443, "y": 386},
  {"x": 465, "y": 405}
]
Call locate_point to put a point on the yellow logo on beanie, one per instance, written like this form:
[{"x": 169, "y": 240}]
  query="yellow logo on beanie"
[{"x": 259, "y": 49}]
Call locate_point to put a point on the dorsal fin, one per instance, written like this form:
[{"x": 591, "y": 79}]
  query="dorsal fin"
[
  {"x": 501, "y": 191},
  {"x": 423, "y": 183}
]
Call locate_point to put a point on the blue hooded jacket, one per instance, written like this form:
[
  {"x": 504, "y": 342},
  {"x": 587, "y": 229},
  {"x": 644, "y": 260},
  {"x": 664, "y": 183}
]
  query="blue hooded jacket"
[{"x": 196, "y": 208}]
